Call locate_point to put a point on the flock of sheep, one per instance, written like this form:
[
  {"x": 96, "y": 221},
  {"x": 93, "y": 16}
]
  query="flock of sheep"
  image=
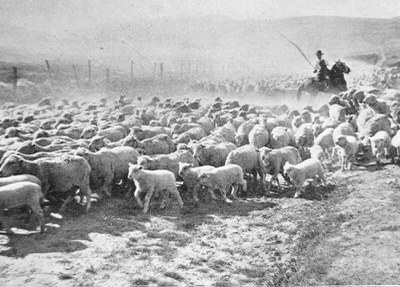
[{"x": 56, "y": 151}]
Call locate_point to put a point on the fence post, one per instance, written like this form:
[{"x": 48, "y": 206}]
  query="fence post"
[
  {"x": 15, "y": 79},
  {"x": 161, "y": 70},
  {"x": 90, "y": 71},
  {"x": 49, "y": 71},
  {"x": 131, "y": 71},
  {"x": 181, "y": 71},
  {"x": 108, "y": 75},
  {"x": 76, "y": 76}
]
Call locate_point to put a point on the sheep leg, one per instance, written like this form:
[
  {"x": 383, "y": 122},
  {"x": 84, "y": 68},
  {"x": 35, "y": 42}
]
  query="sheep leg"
[
  {"x": 149, "y": 194},
  {"x": 66, "y": 202},
  {"x": 137, "y": 196},
  {"x": 223, "y": 193},
  {"x": 164, "y": 194},
  {"x": 299, "y": 191},
  {"x": 85, "y": 190},
  {"x": 107, "y": 186},
  {"x": 234, "y": 190},
  {"x": 39, "y": 212},
  {"x": 175, "y": 192}
]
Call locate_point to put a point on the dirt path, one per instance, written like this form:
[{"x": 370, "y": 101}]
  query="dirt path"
[{"x": 347, "y": 234}]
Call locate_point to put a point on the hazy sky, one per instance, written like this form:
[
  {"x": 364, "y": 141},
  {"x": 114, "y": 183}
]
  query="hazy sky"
[{"x": 81, "y": 12}]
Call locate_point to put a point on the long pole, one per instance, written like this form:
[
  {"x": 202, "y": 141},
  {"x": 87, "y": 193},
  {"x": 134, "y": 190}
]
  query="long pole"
[{"x": 298, "y": 48}]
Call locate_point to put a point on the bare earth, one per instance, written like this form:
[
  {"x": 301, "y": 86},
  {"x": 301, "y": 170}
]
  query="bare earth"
[{"x": 344, "y": 233}]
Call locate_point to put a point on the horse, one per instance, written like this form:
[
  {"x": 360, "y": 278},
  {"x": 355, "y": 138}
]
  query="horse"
[{"x": 335, "y": 84}]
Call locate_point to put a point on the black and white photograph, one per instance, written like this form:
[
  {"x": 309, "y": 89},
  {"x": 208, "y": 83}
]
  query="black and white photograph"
[{"x": 199, "y": 143}]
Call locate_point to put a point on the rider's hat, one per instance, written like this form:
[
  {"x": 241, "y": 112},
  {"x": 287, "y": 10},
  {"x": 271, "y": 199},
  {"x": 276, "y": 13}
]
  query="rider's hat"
[{"x": 319, "y": 52}]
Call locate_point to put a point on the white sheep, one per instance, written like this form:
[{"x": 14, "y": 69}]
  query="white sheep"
[
  {"x": 348, "y": 147},
  {"x": 222, "y": 178},
  {"x": 167, "y": 161},
  {"x": 380, "y": 144},
  {"x": 152, "y": 182},
  {"x": 213, "y": 154},
  {"x": 22, "y": 193},
  {"x": 190, "y": 176},
  {"x": 259, "y": 136},
  {"x": 308, "y": 169},
  {"x": 396, "y": 144},
  {"x": 273, "y": 160},
  {"x": 280, "y": 137},
  {"x": 247, "y": 157}
]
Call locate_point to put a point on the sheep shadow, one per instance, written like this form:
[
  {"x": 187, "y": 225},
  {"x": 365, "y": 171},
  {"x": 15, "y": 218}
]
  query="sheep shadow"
[{"x": 69, "y": 231}]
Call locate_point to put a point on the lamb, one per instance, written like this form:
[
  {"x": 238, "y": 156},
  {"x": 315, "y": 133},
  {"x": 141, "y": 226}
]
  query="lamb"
[
  {"x": 168, "y": 162},
  {"x": 325, "y": 140},
  {"x": 280, "y": 137},
  {"x": 64, "y": 174},
  {"x": 222, "y": 178},
  {"x": 247, "y": 157},
  {"x": 213, "y": 154},
  {"x": 108, "y": 165},
  {"x": 23, "y": 193},
  {"x": 227, "y": 133},
  {"x": 159, "y": 144},
  {"x": 177, "y": 129},
  {"x": 150, "y": 182},
  {"x": 273, "y": 160},
  {"x": 259, "y": 136},
  {"x": 190, "y": 176},
  {"x": 348, "y": 147},
  {"x": 308, "y": 169},
  {"x": 380, "y": 144}
]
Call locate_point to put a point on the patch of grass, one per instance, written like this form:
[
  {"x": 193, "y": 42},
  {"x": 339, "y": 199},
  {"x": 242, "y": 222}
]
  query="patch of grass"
[
  {"x": 65, "y": 276},
  {"x": 252, "y": 272}
]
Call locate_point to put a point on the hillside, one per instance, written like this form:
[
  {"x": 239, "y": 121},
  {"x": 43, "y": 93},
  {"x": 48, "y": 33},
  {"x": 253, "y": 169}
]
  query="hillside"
[{"x": 213, "y": 43}]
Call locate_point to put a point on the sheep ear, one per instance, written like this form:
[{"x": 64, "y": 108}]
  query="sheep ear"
[
  {"x": 191, "y": 165},
  {"x": 140, "y": 167}
]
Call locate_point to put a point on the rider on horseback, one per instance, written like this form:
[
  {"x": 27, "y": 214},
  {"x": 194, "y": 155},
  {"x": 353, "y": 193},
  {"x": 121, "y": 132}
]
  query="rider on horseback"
[{"x": 321, "y": 68}]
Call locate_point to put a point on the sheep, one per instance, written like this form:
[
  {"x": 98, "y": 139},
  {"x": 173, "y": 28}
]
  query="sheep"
[
  {"x": 280, "y": 137},
  {"x": 337, "y": 112},
  {"x": 177, "y": 129},
  {"x": 190, "y": 176},
  {"x": 89, "y": 132},
  {"x": 23, "y": 193},
  {"x": 98, "y": 142},
  {"x": 377, "y": 123},
  {"x": 242, "y": 133},
  {"x": 213, "y": 154},
  {"x": 196, "y": 133},
  {"x": 308, "y": 169},
  {"x": 395, "y": 142},
  {"x": 379, "y": 106},
  {"x": 222, "y": 178},
  {"x": 168, "y": 162},
  {"x": 325, "y": 140},
  {"x": 159, "y": 144},
  {"x": 108, "y": 165},
  {"x": 380, "y": 144},
  {"x": 227, "y": 133},
  {"x": 259, "y": 136},
  {"x": 247, "y": 157},
  {"x": 150, "y": 182},
  {"x": 146, "y": 132},
  {"x": 64, "y": 174},
  {"x": 207, "y": 124},
  {"x": 304, "y": 135},
  {"x": 18, "y": 178},
  {"x": 348, "y": 147},
  {"x": 114, "y": 133},
  {"x": 272, "y": 161},
  {"x": 365, "y": 114}
]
